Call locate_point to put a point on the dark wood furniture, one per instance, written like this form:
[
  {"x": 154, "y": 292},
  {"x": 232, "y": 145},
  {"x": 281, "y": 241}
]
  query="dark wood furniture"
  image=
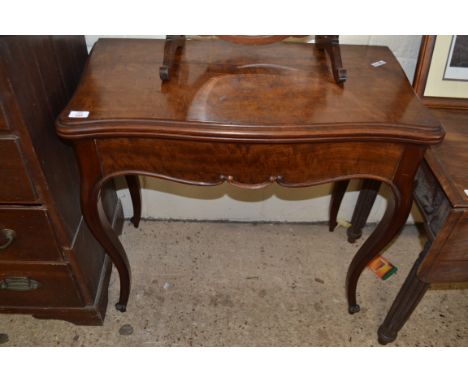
[
  {"x": 250, "y": 116},
  {"x": 50, "y": 264},
  {"x": 440, "y": 195}
]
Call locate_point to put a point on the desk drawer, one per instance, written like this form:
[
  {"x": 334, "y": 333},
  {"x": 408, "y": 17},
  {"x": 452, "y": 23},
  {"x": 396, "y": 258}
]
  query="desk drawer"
[
  {"x": 15, "y": 185},
  {"x": 26, "y": 235},
  {"x": 32, "y": 285}
]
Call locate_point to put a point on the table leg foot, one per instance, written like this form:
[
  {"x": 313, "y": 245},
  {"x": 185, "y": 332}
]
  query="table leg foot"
[
  {"x": 121, "y": 307},
  {"x": 354, "y": 308},
  {"x": 352, "y": 237},
  {"x": 385, "y": 338},
  {"x": 135, "y": 222}
]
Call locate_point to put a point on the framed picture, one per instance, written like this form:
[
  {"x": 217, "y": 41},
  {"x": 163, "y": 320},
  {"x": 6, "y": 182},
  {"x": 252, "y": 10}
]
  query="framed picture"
[{"x": 441, "y": 78}]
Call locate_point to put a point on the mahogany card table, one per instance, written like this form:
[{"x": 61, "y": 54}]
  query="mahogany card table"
[{"x": 250, "y": 116}]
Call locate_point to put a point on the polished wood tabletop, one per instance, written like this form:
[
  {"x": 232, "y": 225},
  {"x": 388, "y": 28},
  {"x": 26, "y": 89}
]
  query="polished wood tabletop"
[
  {"x": 223, "y": 90},
  {"x": 250, "y": 116}
]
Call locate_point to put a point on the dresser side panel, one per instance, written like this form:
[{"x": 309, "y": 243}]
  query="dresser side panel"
[{"x": 43, "y": 80}]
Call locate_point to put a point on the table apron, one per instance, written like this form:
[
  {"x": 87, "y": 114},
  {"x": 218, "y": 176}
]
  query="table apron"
[{"x": 249, "y": 165}]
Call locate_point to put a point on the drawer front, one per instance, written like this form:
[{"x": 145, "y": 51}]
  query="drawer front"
[
  {"x": 26, "y": 235},
  {"x": 249, "y": 165},
  {"x": 431, "y": 200},
  {"x": 37, "y": 285},
  {"x": 15, "y": 185}
]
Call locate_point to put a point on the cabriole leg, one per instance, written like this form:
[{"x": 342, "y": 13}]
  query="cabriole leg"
[
  {"x": 398, "y": 209},
  {"x": 95, "y": 217}
]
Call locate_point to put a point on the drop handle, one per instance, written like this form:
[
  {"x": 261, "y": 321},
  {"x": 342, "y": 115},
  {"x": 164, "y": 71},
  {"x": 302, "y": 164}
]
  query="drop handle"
[
  {"x": 7, "y": 236},
  {"x": 19, "y": 284}
]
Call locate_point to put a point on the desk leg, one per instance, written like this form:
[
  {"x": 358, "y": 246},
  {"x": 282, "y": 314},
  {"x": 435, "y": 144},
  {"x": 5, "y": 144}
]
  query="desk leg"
[
  {"x": 407, "y": 300},
  {"x": 395, "y": 216},
  {"x": 95, "y": 217},
  {"x": 135, "y": 193},
  {"x": 339, "y": 189}
]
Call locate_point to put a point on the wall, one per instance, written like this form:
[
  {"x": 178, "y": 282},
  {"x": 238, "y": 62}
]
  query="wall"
[{"x": 167, "y": 200}]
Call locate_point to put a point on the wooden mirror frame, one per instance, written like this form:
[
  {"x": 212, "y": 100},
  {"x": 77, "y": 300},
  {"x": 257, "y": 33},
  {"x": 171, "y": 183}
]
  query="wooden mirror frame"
[
  {"x": 327, "y": 43},
  {"x": 253, "y": 40}
]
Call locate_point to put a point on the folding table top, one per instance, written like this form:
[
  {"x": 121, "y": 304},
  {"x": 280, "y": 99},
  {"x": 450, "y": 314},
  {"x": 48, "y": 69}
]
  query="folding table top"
[{"x": 282, "y": 91}]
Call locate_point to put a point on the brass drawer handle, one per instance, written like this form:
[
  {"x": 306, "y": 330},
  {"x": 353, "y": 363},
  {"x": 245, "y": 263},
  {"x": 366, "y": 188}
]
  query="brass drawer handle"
[
  {"x": 19, "y": 284},
  {"x": 6, "y": 238}
]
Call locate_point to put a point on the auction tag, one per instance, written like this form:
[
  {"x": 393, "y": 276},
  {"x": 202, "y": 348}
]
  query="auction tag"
[
  {"x": 378, "y": 63},
  {"x": 78, "y": 114}
]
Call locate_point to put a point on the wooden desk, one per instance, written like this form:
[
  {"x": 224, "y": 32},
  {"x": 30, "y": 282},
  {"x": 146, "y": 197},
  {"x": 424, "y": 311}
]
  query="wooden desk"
[{"x": 250, "y": 116}]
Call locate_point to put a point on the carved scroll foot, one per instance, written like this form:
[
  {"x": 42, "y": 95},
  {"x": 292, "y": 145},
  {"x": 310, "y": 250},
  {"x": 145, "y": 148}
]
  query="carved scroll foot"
[
  {"x": 354, "y": 309},
  {"x": 366, "y": 199},
  {"x": 339, "y": 189},
  {"x": 135, "y": 193},
  {"x": 121, "y": 307}
]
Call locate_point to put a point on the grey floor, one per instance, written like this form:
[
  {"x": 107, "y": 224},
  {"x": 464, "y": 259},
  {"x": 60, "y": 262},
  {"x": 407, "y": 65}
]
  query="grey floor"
[{"x": 234, "y": 284}]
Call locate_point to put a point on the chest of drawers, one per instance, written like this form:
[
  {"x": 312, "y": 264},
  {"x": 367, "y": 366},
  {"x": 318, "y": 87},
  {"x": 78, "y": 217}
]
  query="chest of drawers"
[{"x": 50, "y": 265}]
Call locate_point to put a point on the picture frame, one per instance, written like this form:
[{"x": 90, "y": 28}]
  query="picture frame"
[{"x": 430, "y": 80}]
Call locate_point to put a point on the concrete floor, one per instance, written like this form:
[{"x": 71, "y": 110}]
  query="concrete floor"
[{"x": 235, "y": 284}]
